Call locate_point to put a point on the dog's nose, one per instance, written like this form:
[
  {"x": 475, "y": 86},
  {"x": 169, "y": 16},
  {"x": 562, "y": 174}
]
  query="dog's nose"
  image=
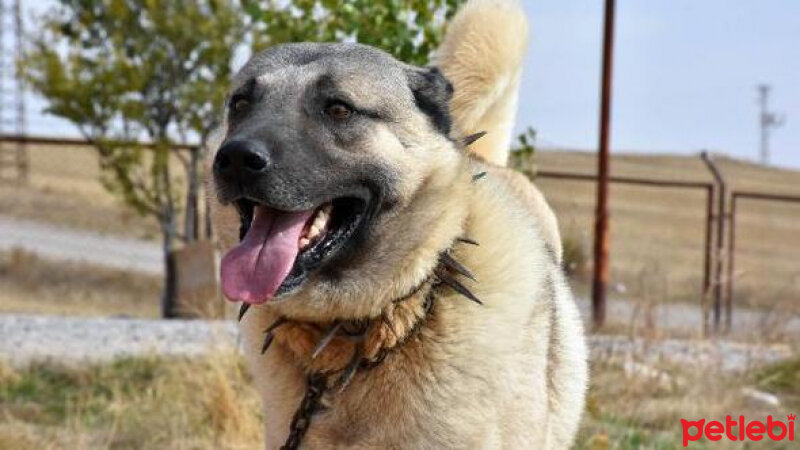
[{"x": 241, "y": 160}]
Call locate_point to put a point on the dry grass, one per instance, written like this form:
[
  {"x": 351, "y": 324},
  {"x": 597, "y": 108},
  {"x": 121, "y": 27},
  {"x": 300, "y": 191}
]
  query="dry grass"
[
  {"x": 65, "y": 190},
  {"x": 207, "y": 403},
  {"x": 661, "y": 231},
  {"x": 145, "y": 403},
  {"x": 29, "y": 284}
]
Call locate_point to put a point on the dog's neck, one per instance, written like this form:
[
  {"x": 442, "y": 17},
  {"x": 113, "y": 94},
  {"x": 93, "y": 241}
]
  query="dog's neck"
[{"x": 337, "y": 346}]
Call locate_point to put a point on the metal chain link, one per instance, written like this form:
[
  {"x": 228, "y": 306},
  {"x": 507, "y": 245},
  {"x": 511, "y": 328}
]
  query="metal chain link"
[{"x": 316, "y": 385}]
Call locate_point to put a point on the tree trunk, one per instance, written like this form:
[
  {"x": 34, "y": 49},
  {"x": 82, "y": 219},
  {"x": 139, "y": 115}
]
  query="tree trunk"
[
  {"x": 169, "y": 308},
  {"x": 191, "y": 226}
]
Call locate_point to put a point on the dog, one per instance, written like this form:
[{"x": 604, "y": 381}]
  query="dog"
[{"x": 400, "y": 287}]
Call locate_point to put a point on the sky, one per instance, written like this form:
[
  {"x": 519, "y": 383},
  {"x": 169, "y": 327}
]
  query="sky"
[{"x": 685, "y": 76}]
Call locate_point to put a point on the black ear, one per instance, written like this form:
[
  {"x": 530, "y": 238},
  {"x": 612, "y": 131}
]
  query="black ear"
[{"x": 432, "y": 94}]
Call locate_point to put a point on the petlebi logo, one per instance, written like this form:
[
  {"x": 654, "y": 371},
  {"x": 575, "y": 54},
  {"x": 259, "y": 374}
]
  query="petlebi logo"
[{"x": 739, "y": 430}]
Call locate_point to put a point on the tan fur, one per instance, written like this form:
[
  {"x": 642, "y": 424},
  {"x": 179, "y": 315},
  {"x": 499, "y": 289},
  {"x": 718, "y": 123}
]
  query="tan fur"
[{"x": 510, "y": 373}]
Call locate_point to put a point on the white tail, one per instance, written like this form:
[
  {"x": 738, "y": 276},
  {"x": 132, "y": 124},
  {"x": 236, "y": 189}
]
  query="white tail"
[{"x": 482, "y": 55}]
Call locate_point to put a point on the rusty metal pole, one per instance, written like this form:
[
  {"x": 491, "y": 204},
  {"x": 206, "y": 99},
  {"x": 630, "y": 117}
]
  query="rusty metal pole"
[
  {"x": 731, "y": 250},
  {"x": 601, "y": 238},
  {"x": 722, "y": 196},
  {"x": 707, "y": 254}
]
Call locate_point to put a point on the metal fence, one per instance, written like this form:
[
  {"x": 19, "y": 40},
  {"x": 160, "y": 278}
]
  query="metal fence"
[{"x": 717, "y": 288}]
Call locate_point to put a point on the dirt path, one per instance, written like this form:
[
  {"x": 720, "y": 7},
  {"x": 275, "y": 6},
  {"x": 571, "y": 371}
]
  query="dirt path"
[{"x": 65, "y": 244}]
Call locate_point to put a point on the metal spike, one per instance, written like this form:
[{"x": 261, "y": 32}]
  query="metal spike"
[
  {"x": 478, "y": 176},
  {"x": 243, "y": 309},
  {"x": 329, "y": 335},
  {"x": 352, "y": 367},
  {"x": 457, "y": 286},
  {"x": 469, "y": 140},
  {"x": 269, "y": 334},
  {"x": 467, "y": 241},
  {"x": 448, "y": 260},
  {"x": 268, "y": 338}
]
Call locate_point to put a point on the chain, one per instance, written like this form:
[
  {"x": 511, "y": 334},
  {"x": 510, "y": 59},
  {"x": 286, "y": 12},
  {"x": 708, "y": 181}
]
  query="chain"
[
  {"x": 316, "y": 385},
  {"x": 317, "y": 382}
]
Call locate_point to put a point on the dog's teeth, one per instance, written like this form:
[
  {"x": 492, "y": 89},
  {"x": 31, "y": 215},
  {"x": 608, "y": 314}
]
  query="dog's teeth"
[
  {"x": 304, "y": 242},
  {"x": 321, "y": 220}
]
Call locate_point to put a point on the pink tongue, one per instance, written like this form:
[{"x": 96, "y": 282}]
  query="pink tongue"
[{"x": 253, "y": 271}]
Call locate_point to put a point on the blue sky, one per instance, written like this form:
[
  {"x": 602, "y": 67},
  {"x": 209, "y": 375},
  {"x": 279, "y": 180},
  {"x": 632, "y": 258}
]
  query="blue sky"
[{"x": 685, "y": 76}]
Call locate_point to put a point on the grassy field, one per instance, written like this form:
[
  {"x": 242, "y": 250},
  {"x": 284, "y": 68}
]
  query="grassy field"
[
  {"x": 65, "y": 189},
  {"x": 151, "y": 403},
  {"x": 29, "y": 284}
]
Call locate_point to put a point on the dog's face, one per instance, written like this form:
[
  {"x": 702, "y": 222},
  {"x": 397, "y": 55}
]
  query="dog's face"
[{"x": 330, "y": 151}]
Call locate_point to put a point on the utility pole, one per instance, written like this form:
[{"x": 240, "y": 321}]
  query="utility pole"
[
  {"x": 601, "y": 238},
  {"x": 767, "y": 120},
  {"x": 13, "y": 156}
]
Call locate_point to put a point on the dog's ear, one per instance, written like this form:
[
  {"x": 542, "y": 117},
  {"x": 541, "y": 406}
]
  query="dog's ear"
[{"x": 432, "y": 94}]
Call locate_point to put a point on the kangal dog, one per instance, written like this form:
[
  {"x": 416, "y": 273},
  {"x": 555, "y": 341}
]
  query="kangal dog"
[{"x": 401, "y": 288}]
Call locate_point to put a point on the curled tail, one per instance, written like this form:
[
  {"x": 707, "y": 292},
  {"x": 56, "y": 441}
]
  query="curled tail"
[{"x": 482, "y": 55}]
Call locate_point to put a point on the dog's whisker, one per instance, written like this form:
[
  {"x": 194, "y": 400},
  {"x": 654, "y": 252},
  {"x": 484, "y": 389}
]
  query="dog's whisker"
[
  {"x": 457, "y": 286},
  {"x": 243, "y": 309},
  {"x": 269, "y": 334},
  {"x": 469, "y": 140},
  {"x": 478, "y": 176},
  {"x": 448, "y": 260},
  {"x": 467, "y": 240},
  {"x": 326, "y": 339}
]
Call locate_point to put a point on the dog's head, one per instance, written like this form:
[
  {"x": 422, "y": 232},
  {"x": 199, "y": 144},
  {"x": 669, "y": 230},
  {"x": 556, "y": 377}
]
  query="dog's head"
[{"x": 335, "y": 158}]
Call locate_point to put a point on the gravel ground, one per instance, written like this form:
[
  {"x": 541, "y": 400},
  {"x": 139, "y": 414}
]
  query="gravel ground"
[
  {"x": 28, "y": 338},
  {"x": 687, "y": 319}
]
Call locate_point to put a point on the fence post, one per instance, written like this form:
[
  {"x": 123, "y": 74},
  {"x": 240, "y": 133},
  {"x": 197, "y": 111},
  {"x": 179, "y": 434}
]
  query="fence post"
[{"x": 722, "y": 192}]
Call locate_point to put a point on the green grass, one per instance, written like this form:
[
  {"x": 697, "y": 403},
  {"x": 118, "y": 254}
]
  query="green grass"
[{"x": 782, "y": 379}]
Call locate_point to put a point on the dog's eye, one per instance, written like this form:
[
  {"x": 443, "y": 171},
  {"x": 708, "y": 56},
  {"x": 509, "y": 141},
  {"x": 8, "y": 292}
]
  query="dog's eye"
[
  {"x": 338, "y": 111},
  {"x": 239, "y": 104}
]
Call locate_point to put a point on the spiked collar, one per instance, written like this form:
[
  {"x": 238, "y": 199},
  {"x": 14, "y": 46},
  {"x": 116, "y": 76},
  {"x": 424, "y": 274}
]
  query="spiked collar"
[{"x": 342, "y": 347}]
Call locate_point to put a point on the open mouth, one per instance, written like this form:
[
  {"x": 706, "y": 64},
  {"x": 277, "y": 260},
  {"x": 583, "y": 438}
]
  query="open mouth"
[{"x": 279, "y": 249}]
